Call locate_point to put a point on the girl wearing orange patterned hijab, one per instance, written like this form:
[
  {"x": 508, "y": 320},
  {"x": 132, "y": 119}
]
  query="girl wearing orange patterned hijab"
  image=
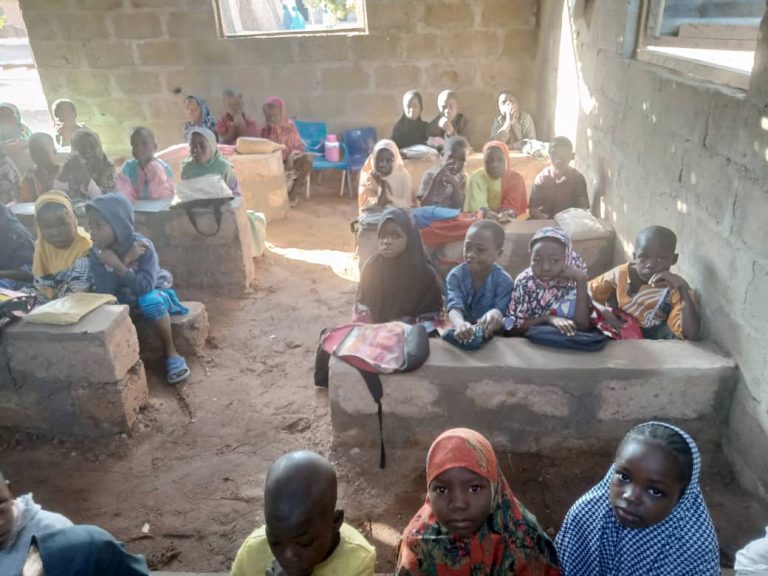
[{"x": 471, "y": 524}]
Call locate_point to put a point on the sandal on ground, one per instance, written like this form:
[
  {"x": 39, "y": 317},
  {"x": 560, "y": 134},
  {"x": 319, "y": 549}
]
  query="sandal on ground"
[{"x": 176, "y": 370}]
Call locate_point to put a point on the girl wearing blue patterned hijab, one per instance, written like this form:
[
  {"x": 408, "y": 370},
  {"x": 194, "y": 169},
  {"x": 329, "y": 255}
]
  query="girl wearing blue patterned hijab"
[{"x": 647, "y": 517}]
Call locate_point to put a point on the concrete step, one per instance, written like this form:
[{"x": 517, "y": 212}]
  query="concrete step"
[{"x": 534, "y": 399}]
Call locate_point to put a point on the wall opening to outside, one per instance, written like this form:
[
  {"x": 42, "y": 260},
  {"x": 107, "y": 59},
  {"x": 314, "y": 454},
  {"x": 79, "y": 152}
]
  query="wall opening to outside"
[{"x": 249, "y": 18}]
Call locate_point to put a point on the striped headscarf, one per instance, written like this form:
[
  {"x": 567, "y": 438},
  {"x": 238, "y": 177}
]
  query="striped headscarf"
[{"x": 593, "y": 543}]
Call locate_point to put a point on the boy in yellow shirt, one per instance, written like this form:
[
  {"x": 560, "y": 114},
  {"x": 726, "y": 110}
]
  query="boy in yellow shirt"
[{"x": 305, "y": 534}]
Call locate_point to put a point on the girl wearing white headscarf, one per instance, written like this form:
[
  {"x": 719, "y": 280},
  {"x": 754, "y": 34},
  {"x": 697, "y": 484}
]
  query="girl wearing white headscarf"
[{"x": 384, "y": 181}]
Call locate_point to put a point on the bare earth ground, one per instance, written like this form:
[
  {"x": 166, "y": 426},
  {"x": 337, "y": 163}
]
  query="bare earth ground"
[{"x": 194, "y": 467}]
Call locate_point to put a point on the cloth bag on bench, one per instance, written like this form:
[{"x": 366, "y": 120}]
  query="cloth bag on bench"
[{"x": 373, "y": 349}]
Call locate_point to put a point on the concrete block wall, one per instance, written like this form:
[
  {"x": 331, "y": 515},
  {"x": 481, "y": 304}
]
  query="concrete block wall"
[
  {"x": 659, "y": 148},
  {"x": 130, "y": 62}
]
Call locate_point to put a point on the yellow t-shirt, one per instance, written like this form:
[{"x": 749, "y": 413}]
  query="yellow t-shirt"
[{"x": 354, "y": 556}]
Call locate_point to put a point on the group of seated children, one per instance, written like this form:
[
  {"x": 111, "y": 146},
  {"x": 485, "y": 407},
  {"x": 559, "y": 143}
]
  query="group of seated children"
[
  {"x": 495, "y": 189},
  {"x": 512, "y": 126},
  {"x": 647, "y": 516},
  {"x": 88, "y": 172},
  {"x": 235, "y": 123},
  {"x": 112, "y": 259},
  {"x": 550, "y": 300}
]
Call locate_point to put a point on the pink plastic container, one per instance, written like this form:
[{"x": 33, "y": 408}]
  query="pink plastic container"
[{"x": 332, "y": 148}]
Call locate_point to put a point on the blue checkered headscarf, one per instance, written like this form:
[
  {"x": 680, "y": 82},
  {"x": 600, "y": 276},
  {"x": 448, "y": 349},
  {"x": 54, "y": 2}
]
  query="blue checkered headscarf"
[{"x": 593, "y": 543}]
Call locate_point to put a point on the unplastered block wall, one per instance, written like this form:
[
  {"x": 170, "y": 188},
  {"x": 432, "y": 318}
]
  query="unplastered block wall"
[
  {"x": 659, "y": 148},
  {"x": 130, "y": 62}
]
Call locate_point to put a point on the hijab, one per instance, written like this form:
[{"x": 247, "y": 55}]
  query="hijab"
[
  {"x": 593, "y": 543},
  {"x": 87, "y": 551},
  {"x": 18, "y": 246},
  {"x": 206, "y": 118},
  {"x": 48, "y": 258},
  {"x": 402, "y": 287},
  {"x": 22, "y": 132},
  {"x": 509, "y": 542},
  {"x": 409, "y": 132},
  {"x": 217, "y": 164},
  {"x": 534, "y": 298},
  {"x": 399, "y": 180}
]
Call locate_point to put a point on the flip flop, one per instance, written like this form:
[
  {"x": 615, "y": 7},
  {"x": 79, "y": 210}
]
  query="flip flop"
[{"x": 176, "y": 370}]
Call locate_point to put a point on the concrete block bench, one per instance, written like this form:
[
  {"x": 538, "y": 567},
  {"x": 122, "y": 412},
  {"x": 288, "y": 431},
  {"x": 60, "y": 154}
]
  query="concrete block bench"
[
  {"x": 223, "y": 261},
  {"x": 533, "y": 399},
  {"x": 85, "y": 378},
  {"x": 189, "y": 333},
  {"x": 597, "y": 252}
]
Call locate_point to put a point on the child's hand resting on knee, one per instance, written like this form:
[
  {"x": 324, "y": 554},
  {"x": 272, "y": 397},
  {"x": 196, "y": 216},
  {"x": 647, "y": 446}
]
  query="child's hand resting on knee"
[{"x": 491, "y": 322}]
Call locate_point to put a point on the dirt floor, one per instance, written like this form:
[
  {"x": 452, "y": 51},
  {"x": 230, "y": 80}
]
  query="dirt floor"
[{"x": 185, "y": 488}]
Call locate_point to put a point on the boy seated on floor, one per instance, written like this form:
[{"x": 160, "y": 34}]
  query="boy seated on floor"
[
  {"x": 559, "y": 186},
  {"x": 305, "y": 533},
  {"x": 125, "y": 264},
  {"x": 479, "y": 290},
  {"x": 661, "y": 302}
]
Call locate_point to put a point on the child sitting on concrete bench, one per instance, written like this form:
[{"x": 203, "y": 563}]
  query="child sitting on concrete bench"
[
  {"x": 661, "y": 302},
  {"x": 126, "y": 264},
  {"x": 305, "y": 534},
  {"x": 61, "y": 265},
  {"x": 145, "y": 177},
  {"x": 479, "y": 290},
  {"x": 445, "y": 185},
  {"x": 559, "y": 186},
  {"x": 553, "y": 290}
]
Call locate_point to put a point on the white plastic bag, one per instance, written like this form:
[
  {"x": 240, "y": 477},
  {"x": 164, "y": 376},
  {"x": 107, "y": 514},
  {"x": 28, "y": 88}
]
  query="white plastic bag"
[
  {"x": 752, "y": 560},
  {"x": 581, "y": 225}
]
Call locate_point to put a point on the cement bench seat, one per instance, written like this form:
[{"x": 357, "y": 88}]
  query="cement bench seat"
[
  {"x": 189, "y": 333},
  {"x": 528, "y": 398},
  {"x": 86, "y": 378},
  {"x": 597, "y": 252},
  {"x": 222, "y": 261}
]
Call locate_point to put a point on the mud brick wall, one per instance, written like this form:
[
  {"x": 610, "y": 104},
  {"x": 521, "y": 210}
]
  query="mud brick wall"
[
  {"x": 660, "y": 148},
  {"x": 130, "y": 62}
]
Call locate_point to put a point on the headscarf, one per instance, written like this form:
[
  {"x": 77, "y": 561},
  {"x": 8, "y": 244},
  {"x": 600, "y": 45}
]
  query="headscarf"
[
  {"x": 510, "y": 193},
  {"x": 100, "y": 168},
  {"x": 592, "y": 542},
  {"x": 443, "y": 97},
  {"x": 402, "y": 287},
  {"x": 48, "y": 258},
  {"x": 206, "y": 118},
  {"x": 509, "y": 542},
  {"x": 18, "y": 246},
  {"x": 22, "y": 130},
  {"x": 87, "y": 551},
  {"x": 409, "y": 132},
  {"x": 216, "y": 165},
  {"x": 285, "y": 132},
  {"x": 399, "y": 180},
  {"x": 534, "y": 298}
]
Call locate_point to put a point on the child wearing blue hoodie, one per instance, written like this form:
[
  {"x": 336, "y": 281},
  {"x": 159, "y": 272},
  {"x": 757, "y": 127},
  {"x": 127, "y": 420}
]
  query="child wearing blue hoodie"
[{"x": 125, "y": 263}]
